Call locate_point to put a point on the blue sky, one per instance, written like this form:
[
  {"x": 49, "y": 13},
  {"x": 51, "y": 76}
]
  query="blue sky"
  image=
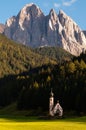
[{"x": 76, "y": 9}]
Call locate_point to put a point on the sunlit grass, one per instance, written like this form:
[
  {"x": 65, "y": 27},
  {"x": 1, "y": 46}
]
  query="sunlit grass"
[{"x": 22, "y": 123}]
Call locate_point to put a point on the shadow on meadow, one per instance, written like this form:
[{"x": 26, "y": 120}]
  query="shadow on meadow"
[{"x": 38, "y": 119}]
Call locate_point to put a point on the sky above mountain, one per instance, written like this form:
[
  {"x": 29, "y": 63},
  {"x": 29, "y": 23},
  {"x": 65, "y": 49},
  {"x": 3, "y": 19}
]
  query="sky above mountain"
[{"x": 76, "y": 9}]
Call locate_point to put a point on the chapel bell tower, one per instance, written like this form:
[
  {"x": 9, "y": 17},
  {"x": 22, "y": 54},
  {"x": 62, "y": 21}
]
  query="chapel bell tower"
[{"x": 51, "y": 103}]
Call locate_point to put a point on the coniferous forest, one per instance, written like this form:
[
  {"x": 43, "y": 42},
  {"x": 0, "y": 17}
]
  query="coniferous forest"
[{"x": 27, "y": 76}]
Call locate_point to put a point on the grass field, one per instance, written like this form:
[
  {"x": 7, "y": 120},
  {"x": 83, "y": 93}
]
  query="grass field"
[{"x": 26, "y": 123}]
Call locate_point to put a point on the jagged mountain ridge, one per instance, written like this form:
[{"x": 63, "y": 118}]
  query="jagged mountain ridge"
[{"x": 31, "y": 27}]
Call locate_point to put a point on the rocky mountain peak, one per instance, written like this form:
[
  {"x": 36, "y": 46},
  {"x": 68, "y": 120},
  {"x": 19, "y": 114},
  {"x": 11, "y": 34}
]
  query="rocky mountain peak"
[
  {"x": 61, "y": 12},
  {"x": 10, "y": 21},
  {"x": 53, "y": 19},
  {"x": 31, "y": 27},
  {"x": 63, "y": 18},
  {"x": 32, "y": 9},
  {"x": 52, "y": 13},
  {"x": 30, "y": 12}
]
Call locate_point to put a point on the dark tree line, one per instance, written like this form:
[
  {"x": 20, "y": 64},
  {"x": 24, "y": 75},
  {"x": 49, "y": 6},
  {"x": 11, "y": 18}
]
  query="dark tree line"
[{"x": 31, "y": 89}]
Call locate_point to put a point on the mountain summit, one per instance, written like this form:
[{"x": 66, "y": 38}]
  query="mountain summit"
[{"x": 31, "y": 27}]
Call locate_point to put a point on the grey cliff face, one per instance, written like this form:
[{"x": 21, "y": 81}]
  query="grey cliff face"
[
  {"x": 84, "y": 32},
  {"x": 26, "y": 27},
  {"x": 31, "y": 27},
  {"x": 2, "y": 28}
]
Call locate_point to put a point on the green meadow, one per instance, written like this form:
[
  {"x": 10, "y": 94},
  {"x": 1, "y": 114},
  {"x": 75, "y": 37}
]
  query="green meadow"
[{"x": 30, "y": 123}]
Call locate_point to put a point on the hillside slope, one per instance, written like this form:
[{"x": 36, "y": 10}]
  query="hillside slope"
[
  {"x": 16, "y": 58},
  {"x": 56, "y": 53}
]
